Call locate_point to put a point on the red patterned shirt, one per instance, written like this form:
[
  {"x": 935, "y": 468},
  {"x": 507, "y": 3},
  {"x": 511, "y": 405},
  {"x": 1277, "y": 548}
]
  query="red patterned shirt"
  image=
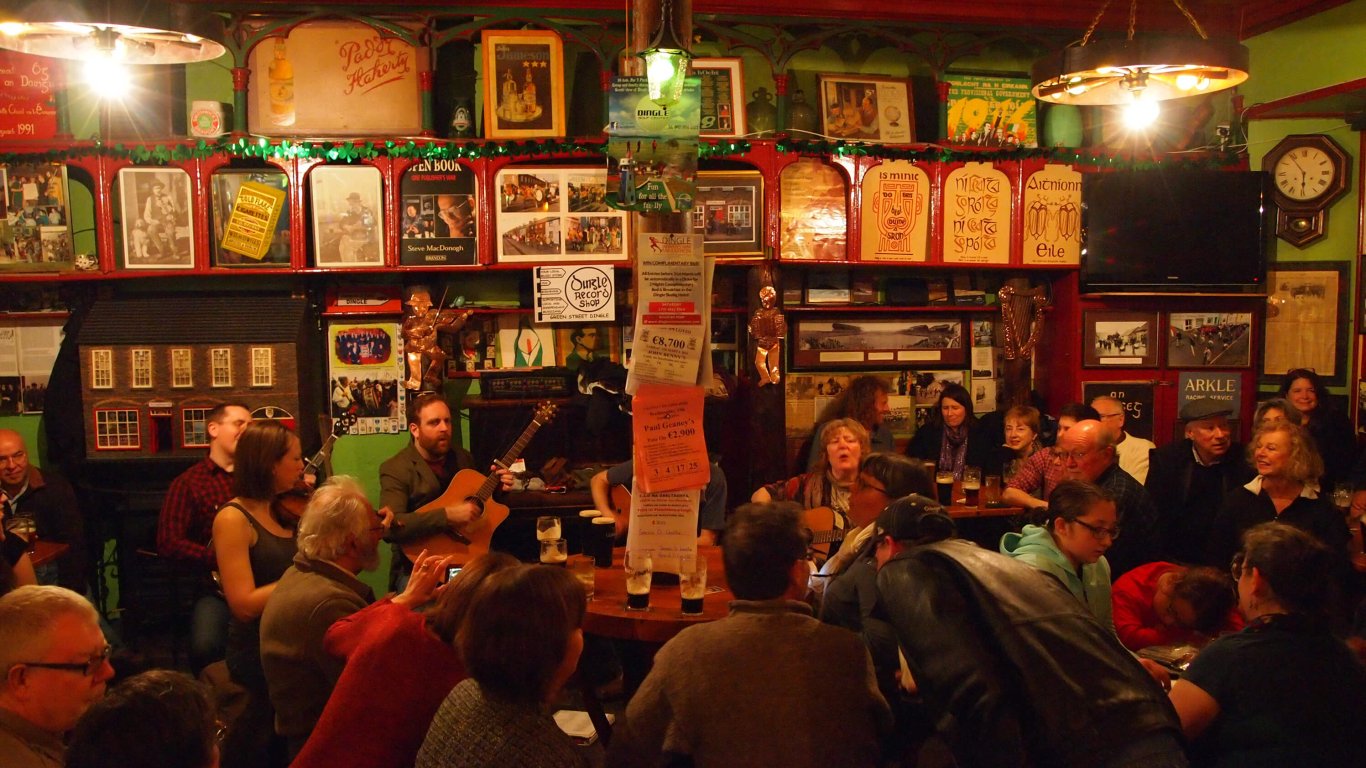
[{"x": 186, "y": 523}]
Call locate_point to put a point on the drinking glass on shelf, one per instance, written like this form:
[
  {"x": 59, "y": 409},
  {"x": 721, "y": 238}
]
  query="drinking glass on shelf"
[
  {"x": 639, "y": 571},
  {"x": 972, "y": 484},
  {"x": 581, "y": 567},
  {"x": 547, "y": 528},
  {"x": 692, "y": 584},
  {"x": 554, "y": 552}
]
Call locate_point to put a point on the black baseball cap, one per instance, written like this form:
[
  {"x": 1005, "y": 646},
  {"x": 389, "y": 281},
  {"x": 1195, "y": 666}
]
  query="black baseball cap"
[{"x": 907, "y": 518}]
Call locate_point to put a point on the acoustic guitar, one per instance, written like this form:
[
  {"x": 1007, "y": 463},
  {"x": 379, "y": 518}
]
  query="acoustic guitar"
[
  {"x": 819, "y": 524},
  {"x": 468, "y": 485}
]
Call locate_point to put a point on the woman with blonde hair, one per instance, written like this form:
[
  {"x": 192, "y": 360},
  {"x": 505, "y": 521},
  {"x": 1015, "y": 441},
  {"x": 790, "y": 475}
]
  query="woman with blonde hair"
[
  {"x": 1284, "y": 490},
  {"x": 844, "y": 443}
]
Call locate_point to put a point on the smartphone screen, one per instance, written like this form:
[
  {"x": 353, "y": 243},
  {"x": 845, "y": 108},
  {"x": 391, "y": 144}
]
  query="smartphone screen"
[{"x": 452, "y": 571}]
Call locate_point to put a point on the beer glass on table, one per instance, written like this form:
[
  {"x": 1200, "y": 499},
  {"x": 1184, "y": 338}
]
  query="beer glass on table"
[
  {"x": 972, "y": 485},
  {"x": 639, "y": 572},
  {"x": 943, "y": 481},
  {"x": 547, "y": 528},
  {"x": 554, "y": 552},
  {"x": 692, "y": 584},
  {"x": 581, "y": 567},
  {"x": 25, "y": 528}
]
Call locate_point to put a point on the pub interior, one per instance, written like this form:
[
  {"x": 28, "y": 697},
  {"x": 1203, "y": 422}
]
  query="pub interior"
[{"x": 666, "y": 382}]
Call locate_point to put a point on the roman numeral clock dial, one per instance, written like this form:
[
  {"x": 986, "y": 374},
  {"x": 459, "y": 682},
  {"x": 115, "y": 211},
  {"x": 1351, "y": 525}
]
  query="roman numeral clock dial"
[{"x": 1308, "y": 173}]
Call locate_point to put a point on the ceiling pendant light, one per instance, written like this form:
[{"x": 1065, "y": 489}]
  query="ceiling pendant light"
[
  {"x": 1160, "y": 68},
  {"x": 666, "y": 60},
  {"x": 113, "y": 31}
]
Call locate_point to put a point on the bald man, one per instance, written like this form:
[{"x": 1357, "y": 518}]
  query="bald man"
[
  {"x": 1087, "y": 453},
  {"x": 1131, "y": 451},
  {"x": 45, "y": 503}
]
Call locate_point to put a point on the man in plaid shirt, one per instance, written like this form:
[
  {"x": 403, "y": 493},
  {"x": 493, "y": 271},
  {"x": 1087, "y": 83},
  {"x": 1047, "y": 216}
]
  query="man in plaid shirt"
[{"x": 186, "y": 525}]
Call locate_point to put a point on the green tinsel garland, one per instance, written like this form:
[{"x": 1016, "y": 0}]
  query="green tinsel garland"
[{"x": 351, "y": 151}]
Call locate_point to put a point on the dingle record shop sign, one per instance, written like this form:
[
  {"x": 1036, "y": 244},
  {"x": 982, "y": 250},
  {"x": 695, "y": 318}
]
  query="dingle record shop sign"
[{"x": 575, "y": 294}]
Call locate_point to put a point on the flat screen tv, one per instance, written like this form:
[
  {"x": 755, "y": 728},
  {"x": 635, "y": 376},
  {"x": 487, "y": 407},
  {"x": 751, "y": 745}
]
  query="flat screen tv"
[{"x": 1175, "y": 231}]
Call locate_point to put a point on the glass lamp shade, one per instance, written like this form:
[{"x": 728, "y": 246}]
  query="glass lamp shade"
[{"x": 665, "y": 71}]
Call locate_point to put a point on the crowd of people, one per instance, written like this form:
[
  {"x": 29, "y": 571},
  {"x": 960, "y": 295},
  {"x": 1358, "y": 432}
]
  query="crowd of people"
[{"x": 897, "y": 644}]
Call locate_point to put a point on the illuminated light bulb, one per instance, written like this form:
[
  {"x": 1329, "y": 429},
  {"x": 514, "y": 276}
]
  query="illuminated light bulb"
[
  {"x": 12, "y": 28},
  {"x": 1140, "y": 113},
  {"x": 1076, "y": 88},
  {"x": 1202, "y": 84},
  {"x": 108, "y": 79},
  {"x": 1187, "y": 82},
  {"x": 665, "y": 71}
]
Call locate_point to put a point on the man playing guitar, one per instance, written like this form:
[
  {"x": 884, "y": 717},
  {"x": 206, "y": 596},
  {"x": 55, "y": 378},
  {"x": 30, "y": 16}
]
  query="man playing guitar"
[{"x": 420, "y": 473}]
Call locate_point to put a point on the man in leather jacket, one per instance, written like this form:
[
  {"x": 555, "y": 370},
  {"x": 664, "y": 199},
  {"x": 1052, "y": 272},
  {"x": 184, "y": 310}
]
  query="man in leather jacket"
[{"x": 1014, "y": 668}]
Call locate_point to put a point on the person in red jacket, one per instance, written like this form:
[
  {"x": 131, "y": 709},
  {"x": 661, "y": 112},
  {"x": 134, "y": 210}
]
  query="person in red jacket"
[
  {"x": 400, "y": 665},
  {"x": 1167, "y": 604}
]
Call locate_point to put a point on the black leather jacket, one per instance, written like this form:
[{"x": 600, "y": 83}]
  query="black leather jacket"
[{"x": 1014, "y": 667}]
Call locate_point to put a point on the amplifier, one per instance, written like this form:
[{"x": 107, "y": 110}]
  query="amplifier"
[{"x": 526, "y": 385}]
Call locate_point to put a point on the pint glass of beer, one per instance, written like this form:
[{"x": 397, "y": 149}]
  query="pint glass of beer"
[{"x": 639, "y": 571}]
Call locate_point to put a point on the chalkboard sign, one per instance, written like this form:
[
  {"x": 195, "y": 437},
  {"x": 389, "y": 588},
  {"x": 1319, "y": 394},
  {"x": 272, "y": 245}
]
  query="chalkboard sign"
[{"x": 1137, "y": 397}]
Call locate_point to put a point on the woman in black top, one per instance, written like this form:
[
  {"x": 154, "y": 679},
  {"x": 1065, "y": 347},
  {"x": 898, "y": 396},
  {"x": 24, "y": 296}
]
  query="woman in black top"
[
  {"x": 1332, "y": 432},
  {"x": 952, "y": 438}
]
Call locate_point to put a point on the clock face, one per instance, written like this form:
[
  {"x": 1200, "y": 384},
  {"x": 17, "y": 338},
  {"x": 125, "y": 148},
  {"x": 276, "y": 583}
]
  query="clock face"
[{"x": 1304, "y": 173}]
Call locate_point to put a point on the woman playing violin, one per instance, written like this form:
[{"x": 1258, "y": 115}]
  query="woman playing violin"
[{"x": 254, "y": 549}]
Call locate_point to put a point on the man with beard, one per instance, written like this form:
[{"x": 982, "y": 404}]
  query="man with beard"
[
  {"x": 420, "y": 473},
  {"x": 1188, "y": 479},
  {"x": 338, "y": 537}
]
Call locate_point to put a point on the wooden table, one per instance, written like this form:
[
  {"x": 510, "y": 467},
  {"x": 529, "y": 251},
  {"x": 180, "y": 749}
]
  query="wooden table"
[
  {"x": 44, "y": 552},
  {"x": 607, "y": 614}
]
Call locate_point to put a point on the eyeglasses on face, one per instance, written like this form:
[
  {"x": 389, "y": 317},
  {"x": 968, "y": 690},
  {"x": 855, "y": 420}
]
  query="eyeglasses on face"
[
  {"x": 1077, "y": 456},
  {"x": 1101, "y": 533},
  {"x": 85, "y": 668}
]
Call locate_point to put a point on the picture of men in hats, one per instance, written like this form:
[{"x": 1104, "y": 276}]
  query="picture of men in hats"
[{"x": 347, "y": 218}]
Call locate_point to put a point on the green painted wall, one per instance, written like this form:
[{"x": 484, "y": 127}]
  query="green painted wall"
[{"x": 1317, "y": 52}]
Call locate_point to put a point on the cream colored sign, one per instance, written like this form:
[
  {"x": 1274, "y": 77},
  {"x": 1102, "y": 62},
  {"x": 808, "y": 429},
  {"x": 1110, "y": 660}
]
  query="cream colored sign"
[
  {"x": 1052, "y": 217},
  {"x": 977, "y": 216},
  {"x": 896, "y": 213}
]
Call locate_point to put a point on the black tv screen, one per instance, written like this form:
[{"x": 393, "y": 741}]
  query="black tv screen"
[{"x": 1175, "y": 231}]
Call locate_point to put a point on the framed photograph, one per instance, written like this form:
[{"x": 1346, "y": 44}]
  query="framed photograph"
[
  {"x": 226, "y": 186},
  {"x": 577, "y": 345},
  {"x": 1306, "y": 319},
  {"x": 35, "y": 218},
  {"x": 877, "y": 342},
  {"x": 728, "y": 212},
  {"x": 1209, "y": 340},
  {"x": 866, "y": 108},
  {"x": 549, "y": 214},
  {"x": 523, "y": 84},
  {"x": 1119, "y": 339},
  {"x": 723, "y": 89},
  {"x": 155, "y": 209},
  {"x": 348, "y": 216},
  {"x": 925, "y": 387}
]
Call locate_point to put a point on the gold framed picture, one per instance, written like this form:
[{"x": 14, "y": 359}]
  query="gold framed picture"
[
  {"x": 866, "y": 108},
  {"x": 523, "y": 84}
]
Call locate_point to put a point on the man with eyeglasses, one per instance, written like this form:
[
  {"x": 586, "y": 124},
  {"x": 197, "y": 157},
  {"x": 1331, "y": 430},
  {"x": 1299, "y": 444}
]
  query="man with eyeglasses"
[
  {"x": 1088, "y": 453},
  {"x": 1131, "y": 451},
  {"x": 1039, "y": 474},
  {"x": 56, "y": 664}
]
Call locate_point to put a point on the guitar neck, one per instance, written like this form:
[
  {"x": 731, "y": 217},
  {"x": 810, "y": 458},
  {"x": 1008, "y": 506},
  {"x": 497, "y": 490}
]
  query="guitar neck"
[
  {"x": 825, "y": 537},
  {"x": 316, "y": 461},
  {"x": 491, "y": 482}
]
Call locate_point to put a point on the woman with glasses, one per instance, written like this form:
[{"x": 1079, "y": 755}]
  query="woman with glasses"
[
  {"x": 1283, "y": 491},
  {"x": 254, "y": 550},
  {"x": 1332, "y": 432},
  {"x": 1284, "y": 690},
  {"x": 952, "y": 437},
  {"x": 1071, "y": 548}
]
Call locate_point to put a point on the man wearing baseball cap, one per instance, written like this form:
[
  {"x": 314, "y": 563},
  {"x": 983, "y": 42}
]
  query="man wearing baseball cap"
[{"x": 1188, "y": 479}]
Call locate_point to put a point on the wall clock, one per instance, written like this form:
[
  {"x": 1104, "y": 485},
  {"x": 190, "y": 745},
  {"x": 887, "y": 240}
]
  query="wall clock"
[{"x": 1308, "y": 174}]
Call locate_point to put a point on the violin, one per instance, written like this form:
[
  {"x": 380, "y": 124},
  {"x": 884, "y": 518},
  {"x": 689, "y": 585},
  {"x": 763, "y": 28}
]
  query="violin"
[{"x": 288, "y": 506}]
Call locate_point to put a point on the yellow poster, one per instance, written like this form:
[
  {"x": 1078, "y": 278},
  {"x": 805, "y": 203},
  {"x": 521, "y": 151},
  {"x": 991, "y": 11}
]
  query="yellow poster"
[
  {"x": 1052, "y": 217},
  {"x": 977, "y": 215},
  {"x": 896, "y": 213},
  {"x": 251, "y": 226}
]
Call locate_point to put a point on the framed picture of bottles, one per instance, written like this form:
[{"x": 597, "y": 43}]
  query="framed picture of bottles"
[
  {"x": 334, "y": 78},
  {"x": 723, "y": 85},
  {"x": 523, "y": 84}
]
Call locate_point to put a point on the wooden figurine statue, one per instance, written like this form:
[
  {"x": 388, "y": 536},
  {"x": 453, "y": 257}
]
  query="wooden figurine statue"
[
  {"x": 767, "y": 327},
  {"x": 420, "y": 348}
]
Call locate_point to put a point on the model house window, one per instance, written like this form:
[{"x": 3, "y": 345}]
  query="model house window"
[
  {"x": 262, "y": 367},
  {"x": 142, "y": 368},
  {"x": 101, "y": 369},
  {"x": 739, "y": 214},
  {"x": 194, "y": 427},
  {"x": 181, "y": 368},
  {"x": 117, "y": 430},
  {"x": 220, "y": 367}
]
